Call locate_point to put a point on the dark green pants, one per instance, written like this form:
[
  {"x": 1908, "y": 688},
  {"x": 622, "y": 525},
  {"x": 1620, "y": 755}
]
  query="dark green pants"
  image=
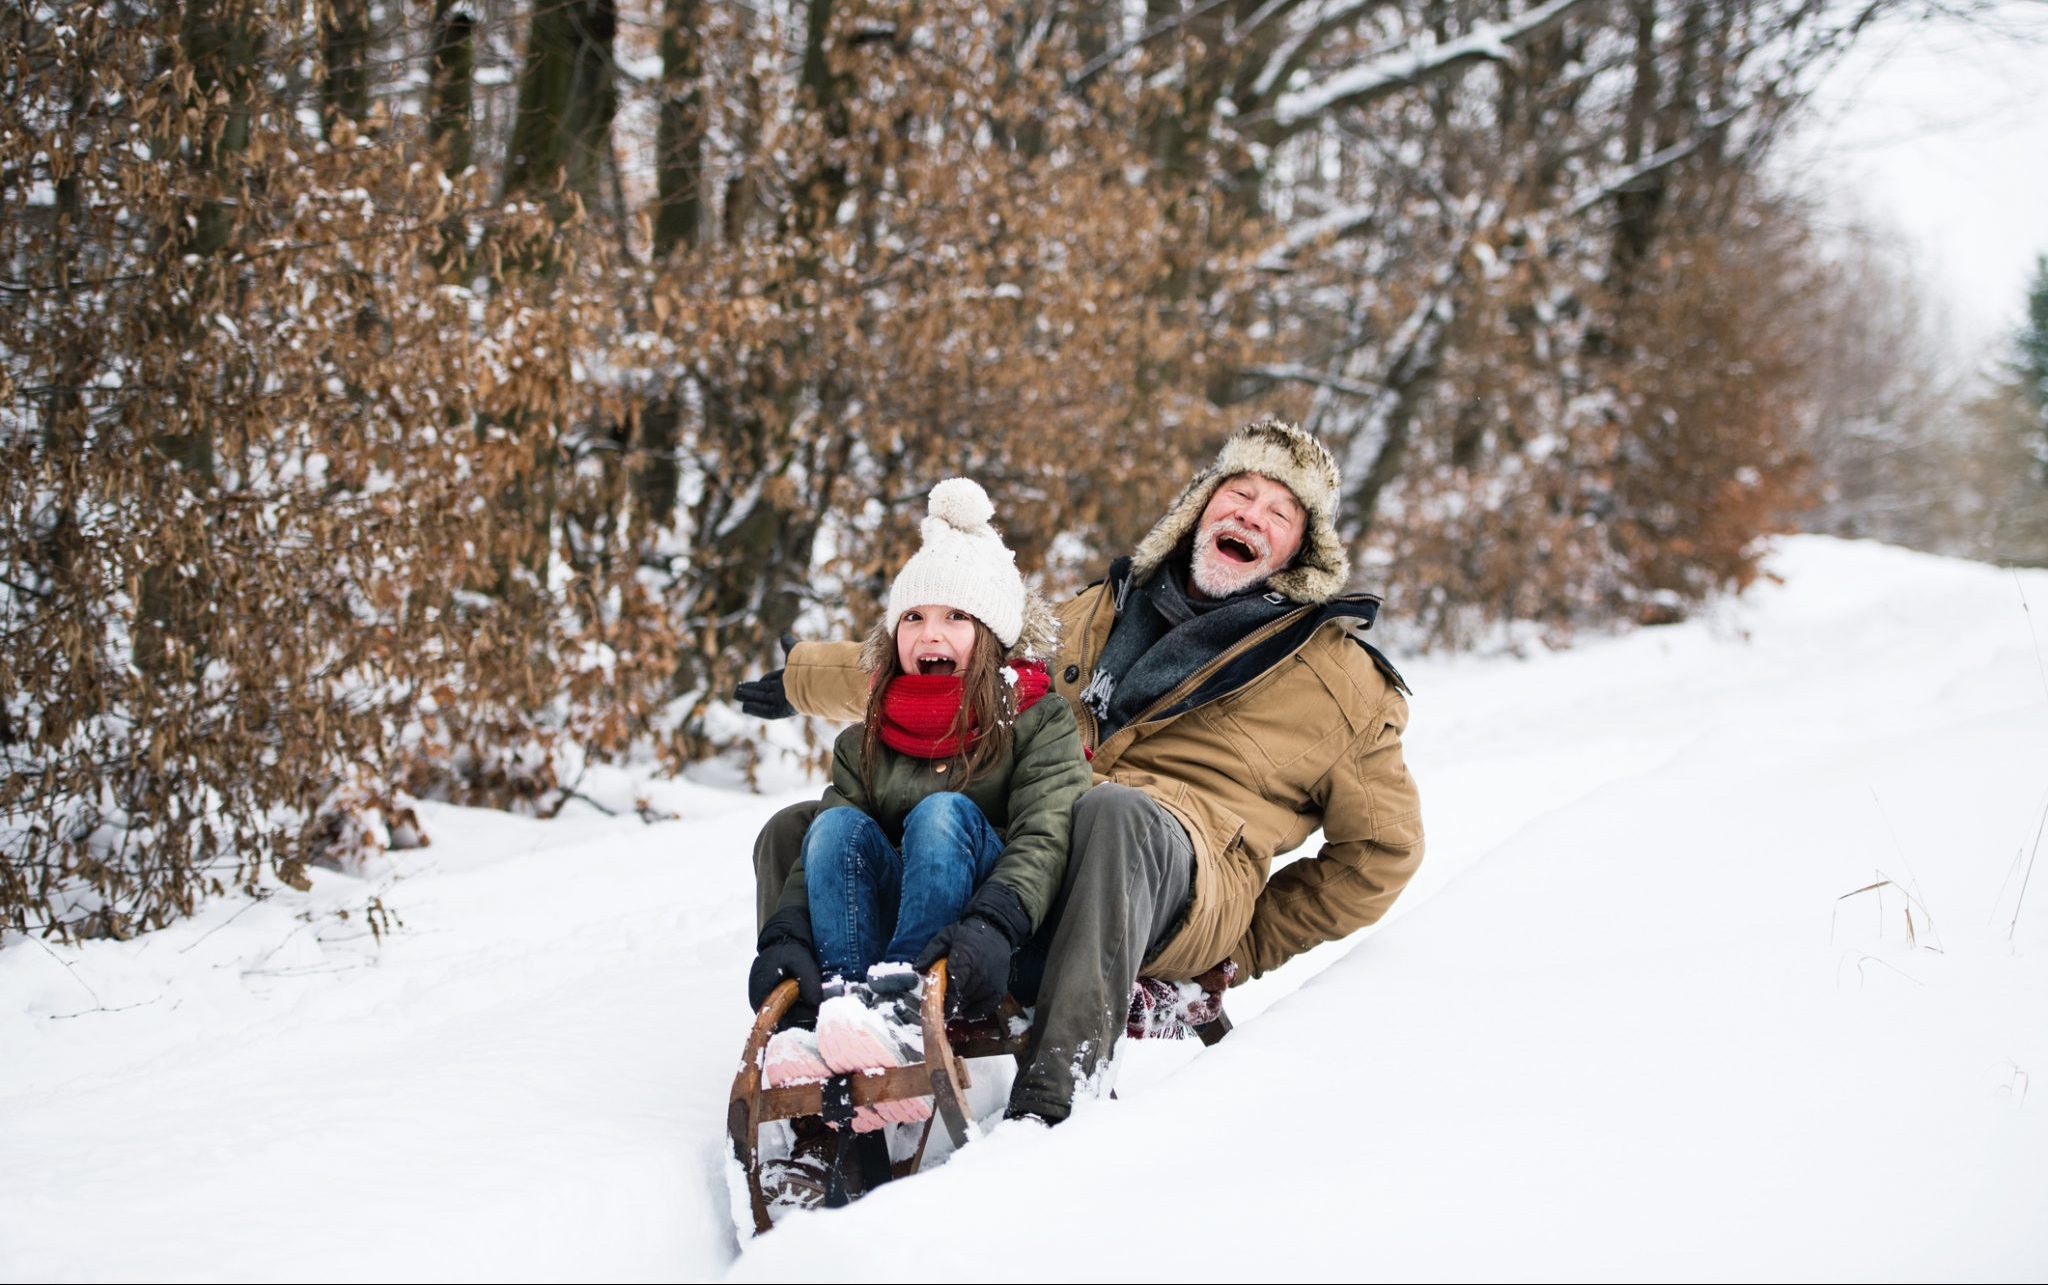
[
  {"x": 777, "y": 849},
  {"x": 1125, "y": 891}
]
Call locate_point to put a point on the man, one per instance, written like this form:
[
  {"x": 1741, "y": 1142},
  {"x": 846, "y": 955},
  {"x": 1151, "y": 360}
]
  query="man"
[{"x": 1231, "y": 709}]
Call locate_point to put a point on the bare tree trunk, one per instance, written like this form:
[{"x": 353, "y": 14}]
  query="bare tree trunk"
[
  {"x": 220, "y": 41},
  {"x": 344, "y": 45},
  {"x": 657, "y": 476},
  {"x": 824, "y": 94},
  {"x": 678, "y": 224},
  {"x": 561, "y": 138},
  {"x": 756, "y": 527},
  {"x": 1414, "y": 372},
  {"x": 452, "y": 90},
  {"x": 742, "y": 197},
  {"x": 567, "y": 99},
  {"x": 1638, "y": 202},
  {"x": 679, "y": 139}
]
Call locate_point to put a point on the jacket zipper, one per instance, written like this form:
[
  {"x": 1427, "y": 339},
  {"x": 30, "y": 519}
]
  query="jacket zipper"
[
  {"x": 1196, "y": 679},
  {"x": 1091, "y": 728}
]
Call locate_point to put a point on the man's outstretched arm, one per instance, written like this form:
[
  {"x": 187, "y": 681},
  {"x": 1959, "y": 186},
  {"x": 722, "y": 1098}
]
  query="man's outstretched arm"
[{"x": 822, "y": 679}]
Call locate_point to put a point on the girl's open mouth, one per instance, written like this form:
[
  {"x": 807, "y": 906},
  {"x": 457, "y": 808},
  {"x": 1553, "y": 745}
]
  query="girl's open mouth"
[{"x": 936, "y": 665}]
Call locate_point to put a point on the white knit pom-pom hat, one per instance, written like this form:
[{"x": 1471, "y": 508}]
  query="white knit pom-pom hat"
[{"x": 963, "y": 564}]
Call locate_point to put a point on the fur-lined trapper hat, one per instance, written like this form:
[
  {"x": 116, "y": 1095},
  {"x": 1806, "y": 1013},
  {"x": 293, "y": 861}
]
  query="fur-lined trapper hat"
[{"x": 1281, "y": 451}]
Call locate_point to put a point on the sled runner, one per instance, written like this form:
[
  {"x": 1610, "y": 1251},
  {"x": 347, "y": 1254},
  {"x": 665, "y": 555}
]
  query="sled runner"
[{"x": 833, "y": 1165}]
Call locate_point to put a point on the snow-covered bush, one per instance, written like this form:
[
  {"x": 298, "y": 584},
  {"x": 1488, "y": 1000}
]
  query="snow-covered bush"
[{"x": 395, "y": 407}]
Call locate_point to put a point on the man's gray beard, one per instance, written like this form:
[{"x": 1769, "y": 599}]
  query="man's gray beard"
[{"x": 1214, "y": 577}]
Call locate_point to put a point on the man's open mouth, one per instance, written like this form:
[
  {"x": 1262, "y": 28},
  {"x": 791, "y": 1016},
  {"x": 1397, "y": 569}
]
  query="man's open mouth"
[
  {"x": 936, "y": 665},
  {"x": 1235, "y": 549}
]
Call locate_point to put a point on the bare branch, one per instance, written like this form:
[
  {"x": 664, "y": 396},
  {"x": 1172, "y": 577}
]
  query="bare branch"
[
  {"x": 1333, "y": 226},
  {"x": 1109, "y": 57},
  {"x": 1493, "y": 42},
  {"x": 1296, "y": 374},
  {"x": 1633, "y": 176},
  {"x": 1296, "y": 48}
]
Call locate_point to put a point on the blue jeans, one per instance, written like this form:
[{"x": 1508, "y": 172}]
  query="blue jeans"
[{"x": 862, "y": 888}]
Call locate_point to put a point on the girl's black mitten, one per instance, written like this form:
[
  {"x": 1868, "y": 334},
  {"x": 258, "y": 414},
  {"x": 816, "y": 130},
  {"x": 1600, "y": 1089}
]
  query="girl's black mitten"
[
  {"x": 785, "y": 950},
  {"x": 977, "y": 950}
]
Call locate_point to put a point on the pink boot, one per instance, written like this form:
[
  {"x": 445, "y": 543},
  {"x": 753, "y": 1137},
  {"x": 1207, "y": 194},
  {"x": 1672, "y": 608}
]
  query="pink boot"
[
  {"x": 792, "y": 1058},
  {"x": 852, "y": 1038}
]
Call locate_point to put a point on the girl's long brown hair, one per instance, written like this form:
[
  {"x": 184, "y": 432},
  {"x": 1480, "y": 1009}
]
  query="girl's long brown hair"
[{"x": 988, "y": 703}]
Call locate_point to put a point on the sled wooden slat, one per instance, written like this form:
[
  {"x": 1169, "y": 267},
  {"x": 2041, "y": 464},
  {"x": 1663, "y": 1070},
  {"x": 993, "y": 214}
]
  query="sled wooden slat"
[
  {"x": 743, "y": 1109},
  {"x": 1003, "y": 1035},
  {"x": 947, "y": 1074},
  {"x": 891, "y": 1085}
]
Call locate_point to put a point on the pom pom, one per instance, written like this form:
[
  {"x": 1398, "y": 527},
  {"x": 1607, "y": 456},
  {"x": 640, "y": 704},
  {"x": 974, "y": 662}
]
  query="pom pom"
[{"x": 962, "y": 504}]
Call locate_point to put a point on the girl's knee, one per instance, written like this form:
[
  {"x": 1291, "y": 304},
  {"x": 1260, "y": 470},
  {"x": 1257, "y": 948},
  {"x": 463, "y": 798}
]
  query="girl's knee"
[
  {"x": 943, "y": 809},
  {"x": 834, "y": 835}
]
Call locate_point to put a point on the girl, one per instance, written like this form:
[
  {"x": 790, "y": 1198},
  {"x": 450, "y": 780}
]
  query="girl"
[{"x": 944, "y": 832}]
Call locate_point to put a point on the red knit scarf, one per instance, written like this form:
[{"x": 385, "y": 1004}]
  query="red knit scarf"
[{"x": 918, "y": 709}]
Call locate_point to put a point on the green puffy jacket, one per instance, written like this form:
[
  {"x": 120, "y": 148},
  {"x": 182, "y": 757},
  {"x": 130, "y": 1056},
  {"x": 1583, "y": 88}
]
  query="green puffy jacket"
[{"x": 1028, "y": 797}]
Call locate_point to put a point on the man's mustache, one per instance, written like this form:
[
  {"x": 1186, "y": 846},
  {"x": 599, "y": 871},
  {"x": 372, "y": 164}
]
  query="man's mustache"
[{"x": 1248, "y": 538}]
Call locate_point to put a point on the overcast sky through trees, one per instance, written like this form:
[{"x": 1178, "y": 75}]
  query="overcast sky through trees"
[{"x": 1939, "y": 130}]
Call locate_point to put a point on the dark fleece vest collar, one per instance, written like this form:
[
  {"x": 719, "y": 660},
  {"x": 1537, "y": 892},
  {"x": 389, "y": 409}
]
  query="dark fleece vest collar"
[
  {"x": 1161, "y": 636},
  {"x": 1147, "y": 654}
]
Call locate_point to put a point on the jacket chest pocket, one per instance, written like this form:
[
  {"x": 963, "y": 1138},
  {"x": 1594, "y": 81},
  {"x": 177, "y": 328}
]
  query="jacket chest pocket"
[{"x": 1291, "y": 722}]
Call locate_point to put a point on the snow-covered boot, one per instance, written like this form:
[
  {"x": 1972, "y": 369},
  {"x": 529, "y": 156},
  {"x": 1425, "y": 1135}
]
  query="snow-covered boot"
[
  {"x": 896, "y": 991},
  {"x": 799, "y": 1179},
  {"x": 892, "y": 978},
  {"x": 853, "y": 1037},
  {"x": 1176, "y": 1010},
  {"x": 792, "y": 1057}
]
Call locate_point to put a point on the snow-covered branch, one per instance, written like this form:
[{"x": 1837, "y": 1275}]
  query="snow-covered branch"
[
  {"x": 1109, "y": 57},
  {"x": 1337, "y": 223},
  {"x": 1651, "y": 164},
  {"x": 1491, "y": 42},
  {"x": 1293, "y": 373},
  {"x": 1290, "y": 52}
]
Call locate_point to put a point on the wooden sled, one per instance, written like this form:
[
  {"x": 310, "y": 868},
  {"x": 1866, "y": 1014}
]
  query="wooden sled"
[
  {"x": 828, "y": 1105},
  {"x": 942, "y": 1076}
]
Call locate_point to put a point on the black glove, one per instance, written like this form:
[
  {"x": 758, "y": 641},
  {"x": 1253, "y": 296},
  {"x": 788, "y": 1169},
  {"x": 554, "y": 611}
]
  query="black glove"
[
  {"x": 763, "y": 697},
  {"x": 977, "y": 950},
  {"x": 785, "y": 950}
]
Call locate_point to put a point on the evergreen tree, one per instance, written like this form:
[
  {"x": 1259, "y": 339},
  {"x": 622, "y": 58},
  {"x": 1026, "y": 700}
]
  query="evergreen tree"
[{"x": 2033, "y": 354}]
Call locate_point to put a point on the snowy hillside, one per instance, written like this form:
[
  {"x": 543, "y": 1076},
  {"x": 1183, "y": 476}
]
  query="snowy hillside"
[{"x": 1633, "y": 1019}]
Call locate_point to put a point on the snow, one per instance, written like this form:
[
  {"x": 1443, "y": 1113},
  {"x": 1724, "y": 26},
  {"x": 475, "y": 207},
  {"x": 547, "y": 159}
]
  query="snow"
[{"x": 1633, "y": 1020}]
